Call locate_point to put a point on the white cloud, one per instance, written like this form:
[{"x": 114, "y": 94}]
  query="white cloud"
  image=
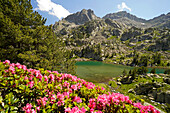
[
  {"x": 52, "y": 8},
  {"x": 123, "y": 6}
]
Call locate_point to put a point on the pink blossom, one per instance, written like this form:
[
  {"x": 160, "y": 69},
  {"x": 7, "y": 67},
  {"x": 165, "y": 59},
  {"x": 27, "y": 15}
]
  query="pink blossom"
[
  {"x": 55, "y": 72},
  {"x": 38, "y": 75},
  {"x": 6, "y": 62},
  {"x": 12, "y": 69},
  {"x": 42, "y": 101},
  {"x": 33, "y": 111},
  {"x": 77, "y": 99},
  {"x": 79, "y": 85},
  {"x": 31, "y": 84},
  {"x": 60, "y": 96},
  {"x": 68, "y": 110},
  {"x": 51, "y": 76},
  {"x": 38, "y": 108},
  {"x": 74, "y": 87},
  {"x": 25, "y": 78},
  {"x": 31, "y": 77},
  {"x": 24, "y": 67},
  {"x": 27, "y": 108},
  {"x": 66, "y": 94},
  {"x": 83, "y": 110},
  {"x": 75, "y": 109},
  {"x": 66, "y": 84},
  {"x": 13, "y": 64},
  {"x": 18, "y": 65},
  {"x": 53, "y": 97},
  {"x": 46, "y": 78},
  {"x": 91, "y": 110}
]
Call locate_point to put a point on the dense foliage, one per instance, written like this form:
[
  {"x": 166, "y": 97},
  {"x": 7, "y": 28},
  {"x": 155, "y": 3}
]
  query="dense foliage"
[
  {"x": 41, "y": 90},
  {"x": 146, "y": 60},
  {"x": 24, "y": 38}
]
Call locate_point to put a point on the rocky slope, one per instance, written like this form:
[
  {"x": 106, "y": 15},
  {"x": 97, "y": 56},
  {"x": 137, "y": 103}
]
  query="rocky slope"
[
  {"x": 162, "y": 21},
  {"x": 92, "y": 37}
]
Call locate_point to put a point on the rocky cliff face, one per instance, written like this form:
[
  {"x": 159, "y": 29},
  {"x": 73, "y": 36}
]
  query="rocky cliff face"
[{"x": 81, "y": 17}]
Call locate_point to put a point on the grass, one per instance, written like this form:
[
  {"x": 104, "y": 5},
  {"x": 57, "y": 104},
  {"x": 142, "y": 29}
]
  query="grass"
[{"x": 112, "y": 37}]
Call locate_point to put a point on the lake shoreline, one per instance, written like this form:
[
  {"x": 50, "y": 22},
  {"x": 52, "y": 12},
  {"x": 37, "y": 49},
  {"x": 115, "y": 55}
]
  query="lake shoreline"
[
  {"x": 100, "y": 71},
  {"x": 86, "y": 59}
]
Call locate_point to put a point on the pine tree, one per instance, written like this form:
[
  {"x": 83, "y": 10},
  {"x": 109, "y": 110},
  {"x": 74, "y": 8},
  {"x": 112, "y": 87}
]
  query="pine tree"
[
  {"x": 124, "y": 72},
  {"x": 25, "y": 39}
]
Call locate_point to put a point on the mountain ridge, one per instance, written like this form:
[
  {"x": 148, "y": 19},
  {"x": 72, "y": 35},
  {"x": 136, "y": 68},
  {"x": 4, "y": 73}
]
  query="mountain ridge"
[{"x": 162, "y": 21}]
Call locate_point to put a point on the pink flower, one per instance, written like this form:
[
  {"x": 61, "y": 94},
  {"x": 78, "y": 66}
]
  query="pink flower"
[
  {"x": 51, "y": 76},
  {"x": 38, "y": 108},
  {"x": 75, "y": 109},
  {"x": 66, "y": 84},
  {"x": 91, "y": 110},
  {"x": 66, "y": 94},
  {"x": 55, "y": 72},
  {"x": 24, "y": 67},
  {"x": 27, "y": 108},
  {"x": 77, "y": 99},
  {"x": 12, "y": 69},
  {"x": 38, "y": 75},
  {"x": 6, "y": 62},
  {"x": 83, "y": 110},
  {"x": 27, "y": 111},
  {"x": 53, "y": 97},
  {"x": 12, "y": 64},
  {"x": 79, "y": 85},
  {"x": 60, "y": 96},
  {"x": 25, "y": 78},
  {"x": 31, "y": 77},
  {"x": 31, "y": 84},
  {"x": 33, "y": 111},
  {"x": 67, "y": 110},
  {"x": 74, "y": 87},
  {"x": 46, "y": 78},
  {"x": 18, "y": 65},
  {"x": 42, "y": 101}
]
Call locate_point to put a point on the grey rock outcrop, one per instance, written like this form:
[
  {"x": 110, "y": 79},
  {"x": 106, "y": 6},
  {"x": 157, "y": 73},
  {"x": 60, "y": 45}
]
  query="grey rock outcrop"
[{"x": 81, "y": 17}]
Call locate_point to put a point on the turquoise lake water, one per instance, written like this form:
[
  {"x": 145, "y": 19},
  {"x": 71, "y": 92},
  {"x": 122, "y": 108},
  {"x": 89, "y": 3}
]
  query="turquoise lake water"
[{"x": 100, "y": 72}]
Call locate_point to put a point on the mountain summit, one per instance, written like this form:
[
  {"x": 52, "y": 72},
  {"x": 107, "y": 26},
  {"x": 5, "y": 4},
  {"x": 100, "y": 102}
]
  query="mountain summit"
[
  {"x": 81, "y": 17},
  {"x": 124, "y": 14},
  {"x": 161, "y": 21}
]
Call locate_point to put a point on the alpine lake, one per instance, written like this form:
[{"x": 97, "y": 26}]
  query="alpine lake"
[{"x": 95, "y": 71}]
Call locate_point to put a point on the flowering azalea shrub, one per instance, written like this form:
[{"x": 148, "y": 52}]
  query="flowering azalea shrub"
[{"x": 31, "y": 91}]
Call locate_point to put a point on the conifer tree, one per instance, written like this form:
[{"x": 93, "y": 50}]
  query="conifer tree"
[{"x": 25, "y": 39}]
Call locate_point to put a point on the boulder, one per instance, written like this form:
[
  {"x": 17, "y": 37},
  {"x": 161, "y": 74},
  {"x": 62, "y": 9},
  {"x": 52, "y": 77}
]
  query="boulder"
[
  {"x": 146, "y": 37},
  {"x": 131, "y": 91},
  {"x": 167, "y": 97},
  {"x": 160, "y": 97},
  {"x": 166, "y": 80},
  {"x": 119, "y": 83},
  {"x": 154, "y": 93}
]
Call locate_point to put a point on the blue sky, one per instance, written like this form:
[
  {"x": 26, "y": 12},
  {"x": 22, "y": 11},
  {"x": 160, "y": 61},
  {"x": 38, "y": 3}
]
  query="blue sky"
[{"x": 54, "y": 10}]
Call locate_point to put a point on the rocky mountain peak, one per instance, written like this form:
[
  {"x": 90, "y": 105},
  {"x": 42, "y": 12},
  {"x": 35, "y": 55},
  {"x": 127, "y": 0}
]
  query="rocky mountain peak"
[
  {"x": 124, "y": 14},
  {"x": 81, "y": 17}
]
